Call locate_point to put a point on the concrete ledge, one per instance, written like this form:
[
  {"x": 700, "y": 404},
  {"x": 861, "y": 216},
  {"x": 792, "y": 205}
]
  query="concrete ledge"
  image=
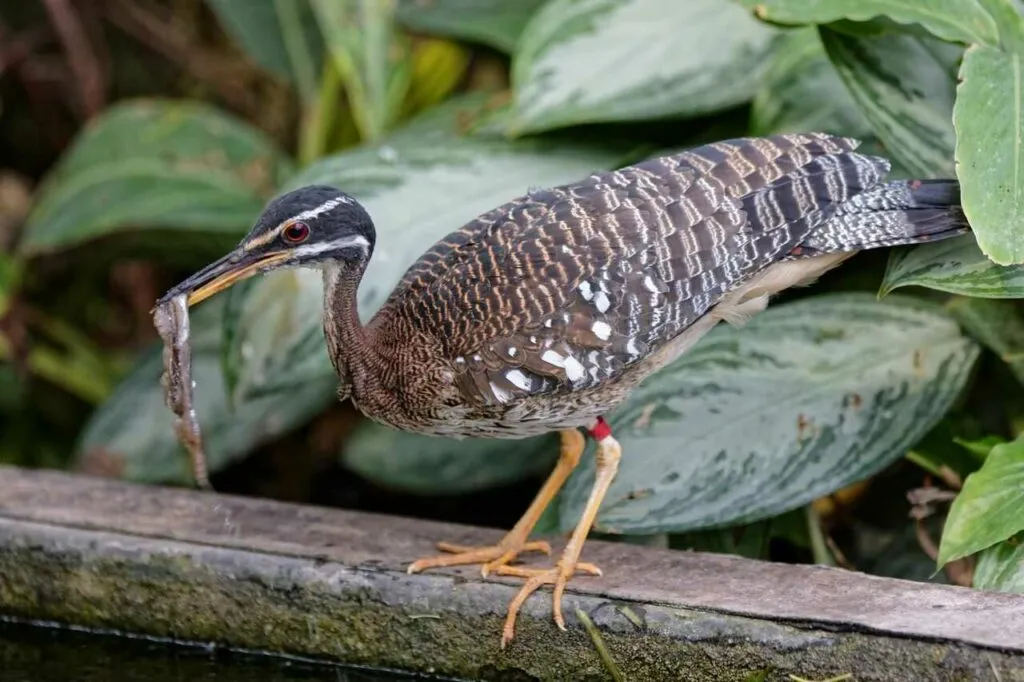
[{"x": 304, "y": 580}]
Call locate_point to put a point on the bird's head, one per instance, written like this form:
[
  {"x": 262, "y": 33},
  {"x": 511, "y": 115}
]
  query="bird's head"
[{"x": 305, "y": 227}]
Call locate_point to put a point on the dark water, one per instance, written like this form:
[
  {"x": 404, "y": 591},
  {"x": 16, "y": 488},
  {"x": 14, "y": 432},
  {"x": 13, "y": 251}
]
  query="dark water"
[{"x": 30, "y": 653}]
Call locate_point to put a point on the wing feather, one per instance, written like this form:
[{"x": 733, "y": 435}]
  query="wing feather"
[{"x": 564, "y": 288}]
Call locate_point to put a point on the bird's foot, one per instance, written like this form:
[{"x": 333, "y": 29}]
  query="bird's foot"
[
  {"x": 490, "y": 557},
  {"x": 536, "y": 578}
]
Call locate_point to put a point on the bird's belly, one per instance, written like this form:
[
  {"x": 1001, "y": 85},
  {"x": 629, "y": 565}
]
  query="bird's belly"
[{"x": 533, "y": 416}]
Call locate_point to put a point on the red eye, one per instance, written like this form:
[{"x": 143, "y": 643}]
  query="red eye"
[{"x": 296, "y": 233}]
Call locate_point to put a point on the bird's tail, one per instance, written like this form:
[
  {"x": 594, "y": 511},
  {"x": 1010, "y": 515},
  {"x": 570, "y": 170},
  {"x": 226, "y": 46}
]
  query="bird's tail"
[{"x": 893, "y": 214}]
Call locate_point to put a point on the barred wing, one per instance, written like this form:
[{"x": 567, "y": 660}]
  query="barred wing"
[{"x": 562, "y": 289}]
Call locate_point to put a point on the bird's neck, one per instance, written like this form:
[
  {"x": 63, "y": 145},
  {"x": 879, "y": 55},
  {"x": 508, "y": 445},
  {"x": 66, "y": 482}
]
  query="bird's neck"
[{"x": 351, "y": 350}]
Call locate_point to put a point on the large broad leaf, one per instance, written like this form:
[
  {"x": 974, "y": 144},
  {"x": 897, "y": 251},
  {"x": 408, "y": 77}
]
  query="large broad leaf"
[
  {"x": 955, "y": 20},
  {"x": 374, "y": 61},
  {"x": 156, "y": 164},
  {"x": 595, "y": 60},
  {"x": 442, "y": 466},
  {"x": 280, "y": 35},
  {"x": 809, "y": 397},
  {"x": 497, "y": 23},
  {"x": 998, "y": 325},
  {"x": 990, "y": 507},
  {"x": 989, "y": 119},
  {"x": 954, "y": 265},
  {"x": 132, "y": 433},
  {"x": 1009, "y": 17},
  {"x": 423, "y": 182},
  {"x": 905, "y": 86},
  {"x": 1001, "y": 567},
  {"x": 801, "y": 91}
]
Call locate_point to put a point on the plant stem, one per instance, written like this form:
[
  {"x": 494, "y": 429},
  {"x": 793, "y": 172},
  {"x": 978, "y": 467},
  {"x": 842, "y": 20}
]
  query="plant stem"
[{"x": 819, "y": 548}]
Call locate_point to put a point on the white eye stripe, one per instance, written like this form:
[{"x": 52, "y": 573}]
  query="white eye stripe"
[
  {"x": 316, "y": 249},
  {"x": 322, "y": 208}
]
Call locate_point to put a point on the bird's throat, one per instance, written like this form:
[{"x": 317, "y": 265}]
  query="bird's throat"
[{"x": 348, "y": 344}]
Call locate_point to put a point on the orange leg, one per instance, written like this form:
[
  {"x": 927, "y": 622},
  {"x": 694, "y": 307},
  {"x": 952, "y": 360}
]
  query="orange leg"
[
  {"x": 497, "y": 556},
  {"x": 608, "y": 454}
]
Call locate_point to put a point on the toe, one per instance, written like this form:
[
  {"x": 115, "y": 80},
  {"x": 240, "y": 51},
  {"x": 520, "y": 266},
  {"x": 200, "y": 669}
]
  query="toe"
[
  {"x": 519, "y": 571},
  {"x": 452, "y": 548}
]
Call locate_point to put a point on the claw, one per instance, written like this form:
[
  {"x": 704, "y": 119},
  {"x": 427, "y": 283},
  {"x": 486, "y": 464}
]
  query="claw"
[{"x": 559, "y": 576}]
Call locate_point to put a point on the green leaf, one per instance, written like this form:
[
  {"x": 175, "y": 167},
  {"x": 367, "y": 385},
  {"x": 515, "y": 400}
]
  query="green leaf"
[
  {"x": 155, "y": 164},
  {"x": 954, "y": 20},
  {"x": 133, "y": 430},
  {"x": 583, "y": 61},
  {"x": 956, "y": 266},
  {"x": 951, "y": 444},
  {"x": 997, "y": 325},
  {"x": 905, "y": 85},
  {"x": 497, "y": 23},
  {"x": 374, "y": 61},
  {"x": 10, "y": 278},
  {"x": 989, "y": 120},
  {"x": 426, "y": 465},
  {"x": 809, "y": 397},
  {"x": 1009, "y": 17},
  {"x": 989, "y": 508},
  {"x": 801, "y": 91},
  {"x": 280, "y": 35},
  {"x": 980, "y": 448},
  {"x": 1001, "y": 567}
]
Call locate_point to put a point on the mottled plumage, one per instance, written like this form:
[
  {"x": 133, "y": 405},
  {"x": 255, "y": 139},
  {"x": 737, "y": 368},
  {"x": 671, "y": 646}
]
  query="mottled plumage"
[{"x": 544, "y": 313}]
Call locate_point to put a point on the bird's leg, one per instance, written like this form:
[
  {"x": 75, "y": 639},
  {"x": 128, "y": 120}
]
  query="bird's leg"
[
  {"x": 608, "y": 454},
  {"x": 515, "y": 541}
]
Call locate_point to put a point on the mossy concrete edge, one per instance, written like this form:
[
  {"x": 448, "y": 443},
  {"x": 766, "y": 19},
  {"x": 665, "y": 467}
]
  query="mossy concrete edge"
[{"x": 432, "y": 624}]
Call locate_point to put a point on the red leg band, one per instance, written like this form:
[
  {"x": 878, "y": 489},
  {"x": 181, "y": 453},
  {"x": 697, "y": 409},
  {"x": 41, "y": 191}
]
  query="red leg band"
[{"x": 601, "y": 430}]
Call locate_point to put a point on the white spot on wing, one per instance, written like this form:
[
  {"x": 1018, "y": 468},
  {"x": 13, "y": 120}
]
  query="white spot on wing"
[
  {"x": 631, "y": 347},
  {"x": 602, "y": 302},
  {"x": 518, "y": 379},
  {"x": 602, "y": 330},
  {"x": 573, "y": 369},
  {"x": 512, "y": 350},
  {"x": 650, "y": 285},
  {"x": 585, "y": 291},
  {"x": 553, "y": 358}
]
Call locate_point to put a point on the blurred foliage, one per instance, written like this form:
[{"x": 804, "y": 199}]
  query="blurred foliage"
[{"x": 835, "y": 427}]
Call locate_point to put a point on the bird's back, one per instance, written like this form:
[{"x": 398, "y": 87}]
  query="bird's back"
[{"x": 564, "y": 289}]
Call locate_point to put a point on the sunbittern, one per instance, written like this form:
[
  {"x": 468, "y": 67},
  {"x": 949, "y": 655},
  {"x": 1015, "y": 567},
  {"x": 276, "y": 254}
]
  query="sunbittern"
[{"x": 544, "y": 313}]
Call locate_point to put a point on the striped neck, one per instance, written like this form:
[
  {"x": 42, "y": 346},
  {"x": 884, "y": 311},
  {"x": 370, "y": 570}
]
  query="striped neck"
[{"x": 349, "y": 344}]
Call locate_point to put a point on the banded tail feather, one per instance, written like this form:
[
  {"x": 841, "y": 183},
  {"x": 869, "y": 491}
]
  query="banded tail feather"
[{"x": 897, "y": 213}]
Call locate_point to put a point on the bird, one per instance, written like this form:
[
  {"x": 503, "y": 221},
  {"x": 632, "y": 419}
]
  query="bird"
[{"x": 543, "y": 314}]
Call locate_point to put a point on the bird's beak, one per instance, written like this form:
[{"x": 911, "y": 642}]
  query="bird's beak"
[{"x": 223, "y": 273}]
